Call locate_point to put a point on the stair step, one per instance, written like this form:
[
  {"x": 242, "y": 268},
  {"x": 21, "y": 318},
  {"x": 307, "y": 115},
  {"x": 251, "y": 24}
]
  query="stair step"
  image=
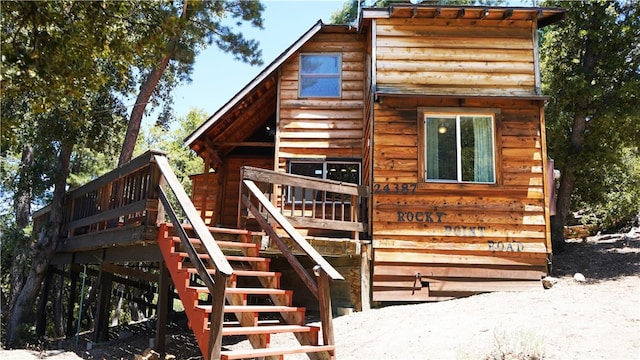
[
  {"x": 254, "y": 308},
  {"x": 229, "y": 257},
  {"x": 248, "y": 291},
  {"x": 227, "y": 244},
  {"x": 268, "y": 329},
  {"x": 222, "y": 230},
  {"x": 192, "y": 270},
  {"x": 256, "y": 353},
  {"x": 265, "y": 322},
  {"x": 247, "y": 258}
]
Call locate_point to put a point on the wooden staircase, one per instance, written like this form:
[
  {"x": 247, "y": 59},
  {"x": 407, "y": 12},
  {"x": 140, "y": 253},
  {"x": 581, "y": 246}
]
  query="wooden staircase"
[{"x": 253, "y": 296}]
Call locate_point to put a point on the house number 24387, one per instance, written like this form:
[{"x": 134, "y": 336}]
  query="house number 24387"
[{"x": 394, "y": 188}]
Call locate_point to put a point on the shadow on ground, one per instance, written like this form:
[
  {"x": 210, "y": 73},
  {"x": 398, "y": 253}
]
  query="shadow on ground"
[{"x": 603, "y": 257}]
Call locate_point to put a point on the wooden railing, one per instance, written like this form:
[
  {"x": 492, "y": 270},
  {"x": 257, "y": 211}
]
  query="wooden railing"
[
  {"x": 215, "y": 258},
  {"x": 257, "y": 201},
  {"x": 128, "y": 201},
  {"x": 311, "y": 203},
  {"x": 123, "y": 200}
]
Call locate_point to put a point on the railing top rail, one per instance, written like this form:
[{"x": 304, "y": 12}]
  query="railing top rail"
[
  {"x": 274, "y": 177},
  {"x": 131, "y": 166},
  {"x": 201, "y": 230}
]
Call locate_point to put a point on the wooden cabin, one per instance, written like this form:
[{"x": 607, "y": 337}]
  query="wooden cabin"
[
  {"x": 437, "y": 112},
  {"x": 405, "y": 156}
]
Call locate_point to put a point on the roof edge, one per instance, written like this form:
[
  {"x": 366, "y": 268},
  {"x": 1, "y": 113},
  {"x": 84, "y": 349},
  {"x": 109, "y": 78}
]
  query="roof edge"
[{"x": 273, "y": 66}]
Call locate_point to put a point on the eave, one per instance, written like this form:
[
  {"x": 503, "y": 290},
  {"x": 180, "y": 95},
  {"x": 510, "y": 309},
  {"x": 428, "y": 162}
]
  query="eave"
[
  {"x": 262, "y": 77},
  {"x": 543, "y": 16}
]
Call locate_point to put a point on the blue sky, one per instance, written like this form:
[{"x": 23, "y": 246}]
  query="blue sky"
[{"x": 217, "y": 76}]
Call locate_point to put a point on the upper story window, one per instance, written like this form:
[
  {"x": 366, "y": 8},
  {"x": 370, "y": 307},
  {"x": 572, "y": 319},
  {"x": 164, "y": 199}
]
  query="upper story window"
[
  {"x": 459, "y": 148},
  {"x": 320, "y": 75}
]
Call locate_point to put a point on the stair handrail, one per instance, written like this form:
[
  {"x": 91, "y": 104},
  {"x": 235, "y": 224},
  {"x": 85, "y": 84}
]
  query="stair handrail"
[
  {"x": 216, "y": 284},
  {"x": 199, "y": 227},
  {"x": 297, "y": 238},
  {"x": 323, "y": 271}
]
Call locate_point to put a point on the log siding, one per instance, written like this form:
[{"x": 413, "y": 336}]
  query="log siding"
[
  {"x": 468, "y": 236},
  {"x": 445, "y": 56}
]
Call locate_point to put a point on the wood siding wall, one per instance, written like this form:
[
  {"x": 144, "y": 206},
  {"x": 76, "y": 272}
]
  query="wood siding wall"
[
  {"x": 455, "y": 56},
  {"x": 215, "y": 195},
  {"x": 435, "y": 241},
  {"x": 323, "y": 127},
  {"x": 204, "y": 195}
]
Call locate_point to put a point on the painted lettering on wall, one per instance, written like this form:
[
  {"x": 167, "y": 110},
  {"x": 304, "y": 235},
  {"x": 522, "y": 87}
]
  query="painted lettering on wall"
[
  {"x": 505, "y": 246},
  {"x": 394, "y": 188},
  {"x": 462, "y": 230},
  {"x": 420, "y": 216}
]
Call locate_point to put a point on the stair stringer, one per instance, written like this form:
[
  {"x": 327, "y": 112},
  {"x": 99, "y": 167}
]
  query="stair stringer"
[{"x": 198, "y": 320}]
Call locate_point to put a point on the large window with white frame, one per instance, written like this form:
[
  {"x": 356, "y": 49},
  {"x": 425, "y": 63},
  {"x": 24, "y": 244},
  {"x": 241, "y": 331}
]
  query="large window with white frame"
[
  {"x": 459, "y": 148},
  {"x": 320, "y": 75}
]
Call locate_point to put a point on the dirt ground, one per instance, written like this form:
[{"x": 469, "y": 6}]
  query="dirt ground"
[{"x": 595, "y": 319}]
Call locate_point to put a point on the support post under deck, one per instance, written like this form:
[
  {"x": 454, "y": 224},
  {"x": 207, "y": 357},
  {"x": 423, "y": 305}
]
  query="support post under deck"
[
  {"x": 101, "y": 329},
  {"x": 162, "y": 309}
]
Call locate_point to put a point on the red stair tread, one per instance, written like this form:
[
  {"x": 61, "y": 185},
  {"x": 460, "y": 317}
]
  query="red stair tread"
[
  {"x": 230, "y": 257},
  {"x": 247, "y": 258},
  {"x": 223, "y": 230},
  {"x": 254, "y": 308},
  {"x": 249, "y": 291},
  {"x": 193, "y": 270},
  {"x": 228, "y": 244},
  {"x": 268, "y": 329},
  {"x": 242, "y": 354}
]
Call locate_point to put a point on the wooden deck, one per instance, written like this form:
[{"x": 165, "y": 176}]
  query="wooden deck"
[{"x": 126, "y": 216}]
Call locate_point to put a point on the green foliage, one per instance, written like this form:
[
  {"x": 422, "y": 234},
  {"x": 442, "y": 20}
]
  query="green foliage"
[
  {"x": 183, "y": 161},
  {"x": 613, "y": 199},
  {"x": 68, "y": 68},
  {"x": 591, "y": 69}
]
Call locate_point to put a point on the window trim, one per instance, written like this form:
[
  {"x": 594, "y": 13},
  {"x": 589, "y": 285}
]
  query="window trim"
[
  {"x": 422, "y": 114},
  {"x": 338, "y": 75}
]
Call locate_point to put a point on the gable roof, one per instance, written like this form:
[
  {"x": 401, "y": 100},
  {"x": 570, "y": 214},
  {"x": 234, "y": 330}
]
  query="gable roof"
[{"x": 262, "y": 76}]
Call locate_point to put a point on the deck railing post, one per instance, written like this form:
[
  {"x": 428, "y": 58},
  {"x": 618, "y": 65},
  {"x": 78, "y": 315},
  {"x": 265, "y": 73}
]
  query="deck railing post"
[
  {"x": 216, "y": 318},
  {"x": 324, "y": 304}
]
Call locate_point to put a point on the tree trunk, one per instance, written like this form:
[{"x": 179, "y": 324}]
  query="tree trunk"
[
  {"x": 563, "y": 206},
  {"x": 146, "y": 90},
  {"x": 24, "y": 191},
  {"x": 22, "y": 207},
  {"x": 43, "y": 251},
  {"x": 568, "y": 178}
]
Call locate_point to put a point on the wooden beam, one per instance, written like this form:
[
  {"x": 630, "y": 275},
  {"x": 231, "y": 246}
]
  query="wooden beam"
[
  {"x": 101, "y": 327},
  {"x": 162, "y": 309},
  {"x": 73, "y": 275},
  {"x": 41, "y": 324},
  {"x": 132, "y": 273},
  {"x": 324, "y": 303},
  {"x": 113, "y": 237}
]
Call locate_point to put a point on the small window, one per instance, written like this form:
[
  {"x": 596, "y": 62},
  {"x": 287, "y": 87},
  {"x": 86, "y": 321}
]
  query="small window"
[
  {"x": 348, "y": 172},
  {"x": 320, "y": 75},
  {"x": 459, "y": 148}
]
